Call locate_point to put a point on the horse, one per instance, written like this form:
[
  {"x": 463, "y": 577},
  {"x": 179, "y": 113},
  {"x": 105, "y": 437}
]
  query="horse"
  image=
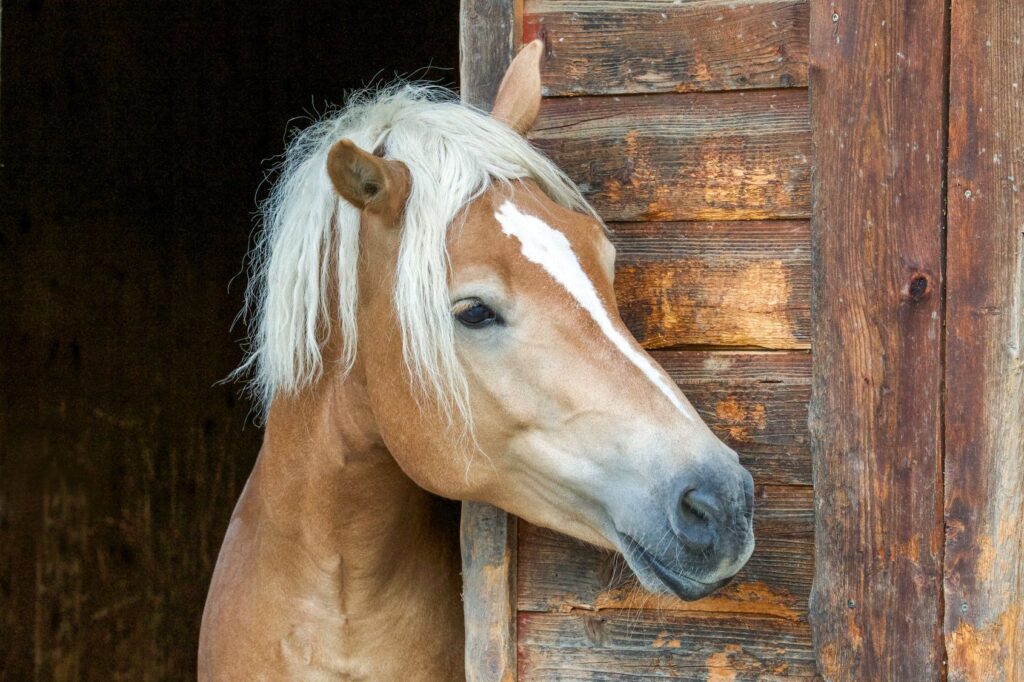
[{"x": 434, "y": 320}]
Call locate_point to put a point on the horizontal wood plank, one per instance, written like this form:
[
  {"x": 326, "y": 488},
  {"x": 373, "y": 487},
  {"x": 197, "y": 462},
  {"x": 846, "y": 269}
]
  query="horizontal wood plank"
[
  {"x": 645, "y": 645},
  {"x": 696, "y": 156},
  {"x": 755, "y": 402},
  {"x": 614, "y": 47},
  {"x": 557, "y": 573},
  {"x": 744, "y": 283}
]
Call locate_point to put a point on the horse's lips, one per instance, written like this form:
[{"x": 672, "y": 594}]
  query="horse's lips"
[{"x": 682, "y": 586}]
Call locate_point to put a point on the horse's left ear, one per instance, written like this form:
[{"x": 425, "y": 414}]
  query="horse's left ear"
[
  {"x": 364, "y": 180},
  {"x": 518, "y": 100}
]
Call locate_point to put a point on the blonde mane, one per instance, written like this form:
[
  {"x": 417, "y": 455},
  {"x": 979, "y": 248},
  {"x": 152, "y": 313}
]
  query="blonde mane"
[{"x": 453, "y": 152}]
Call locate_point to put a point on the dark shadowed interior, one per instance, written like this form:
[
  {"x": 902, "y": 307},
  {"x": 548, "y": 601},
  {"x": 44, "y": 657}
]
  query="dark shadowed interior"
[{"x": 134, "y": 139}]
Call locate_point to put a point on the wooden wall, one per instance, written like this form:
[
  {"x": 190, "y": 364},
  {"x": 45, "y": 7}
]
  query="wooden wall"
[
  {"x": 983, "y": 619},
  {"x": 918, "y": 415},
  {"x": 687, "y": 126},
  {"x": 133, "y": 142}
]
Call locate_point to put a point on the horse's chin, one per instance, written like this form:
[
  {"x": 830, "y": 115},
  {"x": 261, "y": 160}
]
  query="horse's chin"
[{"x": 657, "y": 577}]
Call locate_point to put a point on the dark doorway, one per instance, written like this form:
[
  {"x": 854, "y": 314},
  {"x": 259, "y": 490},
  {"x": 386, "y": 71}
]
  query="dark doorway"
[{"x": 134, "y": 138}]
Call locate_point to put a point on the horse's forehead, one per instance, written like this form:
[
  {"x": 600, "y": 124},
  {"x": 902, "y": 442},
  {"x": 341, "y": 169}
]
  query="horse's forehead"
[{"x": 482, "y": 239}]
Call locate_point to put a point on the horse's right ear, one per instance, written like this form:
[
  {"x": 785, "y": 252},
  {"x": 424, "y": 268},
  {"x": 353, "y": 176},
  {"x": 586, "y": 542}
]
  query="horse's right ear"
[
  {"x": 518, "y": 101},
  {"x": 364, "y": 180}
]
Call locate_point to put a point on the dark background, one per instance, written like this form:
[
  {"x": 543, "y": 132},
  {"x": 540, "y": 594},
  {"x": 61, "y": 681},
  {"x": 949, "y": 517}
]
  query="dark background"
[{"x": 133, "y": 138}]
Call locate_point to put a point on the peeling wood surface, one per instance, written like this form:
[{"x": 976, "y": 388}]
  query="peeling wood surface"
[
  {"x": 877, "y": 89},
  {"x": 613, "y": 47},
  {"x": 651, "y": 644},
  {"x": 695, "y": 156},
  {"x": 745, "y": 283},
  {"x": 984, "y": 559}
]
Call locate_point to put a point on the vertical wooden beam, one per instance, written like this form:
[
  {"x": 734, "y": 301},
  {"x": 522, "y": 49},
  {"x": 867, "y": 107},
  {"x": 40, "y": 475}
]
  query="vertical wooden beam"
[
  {"x": 984, "y": 560},
  {"x": 877, "y": 97},
  {"x": 489, "y": 592},
  {"x": 487, "y": 44}
]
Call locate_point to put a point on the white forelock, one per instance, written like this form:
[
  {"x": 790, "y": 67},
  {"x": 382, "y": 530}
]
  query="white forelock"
[{"x": 453, "y": 152}]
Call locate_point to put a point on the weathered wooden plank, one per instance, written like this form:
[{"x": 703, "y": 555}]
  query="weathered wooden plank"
[
  {"x": 613, "y": 47},
  {"x": 984, "y": 482},
  {"x": 877, "y": 89},
  {"x": 487, "y": 41},
  {"x": 489, "y": 588},
  {"x": 696, "y": 156},
  {"x": 487, "y": 46},
  {"x": 740, "y": 283},
  {"x": 557, "y": 573},
  {"x": 755, "y": 402},
  {"x": 644, "y": 645}
]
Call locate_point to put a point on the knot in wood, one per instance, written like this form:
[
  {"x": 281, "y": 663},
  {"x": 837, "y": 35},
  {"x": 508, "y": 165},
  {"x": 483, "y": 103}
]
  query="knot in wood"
[{"x": 919, "y": 287}]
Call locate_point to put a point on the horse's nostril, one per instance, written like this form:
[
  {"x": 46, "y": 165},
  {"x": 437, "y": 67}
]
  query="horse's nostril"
[
  {"x": 748, "y": 494},
  {"x": 696, "y": 517},
  {"x": 701, "y": 505}
]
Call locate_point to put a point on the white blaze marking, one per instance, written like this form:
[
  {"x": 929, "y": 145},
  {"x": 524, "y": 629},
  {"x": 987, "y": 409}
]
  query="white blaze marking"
[{"x": 549, "y": 248}]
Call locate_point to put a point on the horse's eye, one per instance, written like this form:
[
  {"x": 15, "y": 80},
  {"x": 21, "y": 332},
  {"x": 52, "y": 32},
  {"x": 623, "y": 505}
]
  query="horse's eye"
[{"x": 475, "y": 314}]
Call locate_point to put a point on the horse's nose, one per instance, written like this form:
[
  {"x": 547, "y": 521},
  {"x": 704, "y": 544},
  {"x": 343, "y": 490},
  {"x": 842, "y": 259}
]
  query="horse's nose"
[
  {"x": 711, "y": 509},
  {"x": 697, "y": 513}
]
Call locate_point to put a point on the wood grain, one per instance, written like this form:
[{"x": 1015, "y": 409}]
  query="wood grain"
[
  {"x": 742, "y": 283},
  {"x": 696, "y": 156},
  {"x": 755, "y": 402},
  {"x": 648, "y": 645},
  {"x": 984, "y": 483},
  {"x": 877, "y": 89},
  {"x": 489, "y": 588},
  {"x": 487, "y": 42},
  {"x": 611, "y": 48}
]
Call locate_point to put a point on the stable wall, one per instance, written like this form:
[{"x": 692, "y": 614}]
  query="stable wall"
[{"x": 134, "y": 137}]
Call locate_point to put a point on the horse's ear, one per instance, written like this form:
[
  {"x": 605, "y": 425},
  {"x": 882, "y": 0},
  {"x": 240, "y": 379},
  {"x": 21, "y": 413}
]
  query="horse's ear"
[
  {"x": 518, "y": 100},
  {"x": 364, "y": 180}
]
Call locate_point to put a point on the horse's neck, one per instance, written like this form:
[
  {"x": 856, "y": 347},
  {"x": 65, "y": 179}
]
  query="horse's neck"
[{"x": 360, "y": 566}]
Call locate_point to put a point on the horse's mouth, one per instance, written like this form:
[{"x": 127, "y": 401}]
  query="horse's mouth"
[{"x": 683, "y": 586}]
